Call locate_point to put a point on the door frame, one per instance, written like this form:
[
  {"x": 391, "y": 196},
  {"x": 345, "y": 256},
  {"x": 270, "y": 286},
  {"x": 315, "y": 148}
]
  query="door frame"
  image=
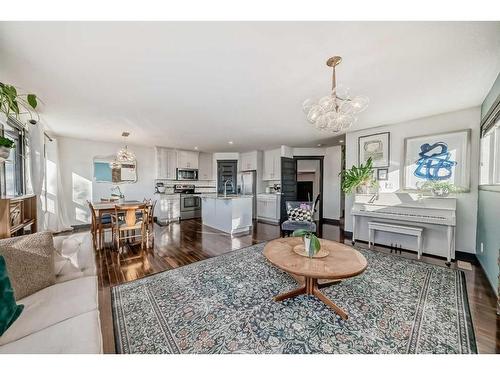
[{"x": 321, "y": 159}]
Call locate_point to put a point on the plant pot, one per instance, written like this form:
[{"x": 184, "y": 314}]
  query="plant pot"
[
  {"x": 441, "y": 192},
  {"x": 307, "y": 246},
  {"x": 4, "y": 152}
]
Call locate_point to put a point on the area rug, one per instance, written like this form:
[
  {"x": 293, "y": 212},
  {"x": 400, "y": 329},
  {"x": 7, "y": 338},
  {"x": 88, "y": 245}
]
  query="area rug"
[{"x": 225, "y": 305}]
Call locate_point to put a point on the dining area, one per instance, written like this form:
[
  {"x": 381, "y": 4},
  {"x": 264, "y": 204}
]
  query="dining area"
[{"x": 125, "y": 222}]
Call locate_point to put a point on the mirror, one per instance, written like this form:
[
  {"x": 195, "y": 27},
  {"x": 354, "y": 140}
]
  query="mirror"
[{"x": 106, "y": 169}]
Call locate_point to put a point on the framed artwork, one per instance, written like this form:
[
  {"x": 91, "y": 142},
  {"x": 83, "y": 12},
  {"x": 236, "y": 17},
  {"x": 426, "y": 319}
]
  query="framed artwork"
[
  {"x": 437, "y": 157},
  {"x": 382, "y": 174},
  {"x": 375, "y": 146}
]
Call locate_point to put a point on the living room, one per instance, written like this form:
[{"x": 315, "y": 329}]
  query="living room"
[{"x": 256, "y": 187}]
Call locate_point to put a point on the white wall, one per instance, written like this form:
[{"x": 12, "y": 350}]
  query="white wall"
[
  {"x": 331, "y": 184},
  {"x": 331, "y": 180},
  {"x": 76, "y": 160},
  {"x": 466, "y": 202}
]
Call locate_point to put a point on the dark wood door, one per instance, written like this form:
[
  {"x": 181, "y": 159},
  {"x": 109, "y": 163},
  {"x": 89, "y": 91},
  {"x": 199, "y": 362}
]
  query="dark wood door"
[
  {"x": 288, "y": 184},
  {"x": 227, "y": 170}
]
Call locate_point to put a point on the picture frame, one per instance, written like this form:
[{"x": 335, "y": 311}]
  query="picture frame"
[
  {"x": 377, "y": 146},
  {"x": 437, "y": 157},
  {"x": 382, "y": 174}
]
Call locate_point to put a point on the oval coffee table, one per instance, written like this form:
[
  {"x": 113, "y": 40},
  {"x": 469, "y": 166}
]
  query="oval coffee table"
[{"x": 342, "y": 262}]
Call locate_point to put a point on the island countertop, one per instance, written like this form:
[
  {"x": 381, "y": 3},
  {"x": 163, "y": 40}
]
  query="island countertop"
[
  {"x": 231, "y": 214},
  {"x": 222, "y": 197}
]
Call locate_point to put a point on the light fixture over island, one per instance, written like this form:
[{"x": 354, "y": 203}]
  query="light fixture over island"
[{"x": 231, "y": 214}]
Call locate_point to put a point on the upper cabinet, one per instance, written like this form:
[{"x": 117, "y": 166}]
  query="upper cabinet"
[
  {"x": 187, "y": 159},
  {"x": 248, "y": 161},
  {"x": 166, "y": 163},
  {"x": 272, "y": 165},
  {"x": 205, "y": 166}
]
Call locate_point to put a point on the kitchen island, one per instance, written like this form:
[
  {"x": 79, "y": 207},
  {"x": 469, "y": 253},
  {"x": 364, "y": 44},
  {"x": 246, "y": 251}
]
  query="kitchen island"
[{"x": 231, "y": 214}]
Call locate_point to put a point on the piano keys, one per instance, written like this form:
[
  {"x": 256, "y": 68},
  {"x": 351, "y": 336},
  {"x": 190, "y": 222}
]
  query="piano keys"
[{"x": 408, "y": 208}]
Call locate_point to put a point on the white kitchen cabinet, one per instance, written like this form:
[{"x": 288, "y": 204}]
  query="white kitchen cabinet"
[
  {"x": 268, "y": 207},
  {"x": 166, "y": 163},
  {"x": 272, "y": 165},
  {"x": 187, "y": 159},
  {"x": 248, "y": 161},
  {"x": 168, "y": 207},
  {"x": 205, "y": 166}
]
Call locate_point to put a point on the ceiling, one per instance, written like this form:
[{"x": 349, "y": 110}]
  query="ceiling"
[{"x": 203, "y": 84}]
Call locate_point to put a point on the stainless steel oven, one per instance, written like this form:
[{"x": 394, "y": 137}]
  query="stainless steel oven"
[
  {"x": 187, "y": 174},
  {"x": 190, "y": 201}
]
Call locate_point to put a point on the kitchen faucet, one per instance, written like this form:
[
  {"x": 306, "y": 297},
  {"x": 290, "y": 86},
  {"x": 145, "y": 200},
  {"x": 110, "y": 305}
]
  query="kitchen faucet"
[{"x": 225, "y": 186}]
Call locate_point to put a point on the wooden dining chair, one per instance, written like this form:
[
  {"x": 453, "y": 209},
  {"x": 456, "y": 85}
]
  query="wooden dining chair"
[
  {"x": 150, "y": 206},
  {"x": 129, "y": 228},
  {"x": 97, "y": 236}
]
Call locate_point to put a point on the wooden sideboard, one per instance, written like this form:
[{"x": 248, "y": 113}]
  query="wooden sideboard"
[{"x": 17, "y": 215}]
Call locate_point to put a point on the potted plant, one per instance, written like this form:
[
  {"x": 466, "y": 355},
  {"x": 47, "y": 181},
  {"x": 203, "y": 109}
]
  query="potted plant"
[
  {"x": 5, "y": 146},
  {"x": 311, "y": 242},
  {"x": 359, "y": 179},
  {"x": 16, "y": 104},
  {"x": 440, "y": 188}
]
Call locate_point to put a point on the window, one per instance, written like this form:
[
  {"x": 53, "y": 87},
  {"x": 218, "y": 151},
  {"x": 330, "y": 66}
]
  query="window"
[
  {"x": 12, "y": 176},
  {"x": 490, "y": 157}
]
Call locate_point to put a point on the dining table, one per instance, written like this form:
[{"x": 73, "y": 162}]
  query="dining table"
[{"x": 108, "y": 208}]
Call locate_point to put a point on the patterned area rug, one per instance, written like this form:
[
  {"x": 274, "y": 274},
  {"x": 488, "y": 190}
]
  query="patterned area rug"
[{"x": 224, "y": 305}]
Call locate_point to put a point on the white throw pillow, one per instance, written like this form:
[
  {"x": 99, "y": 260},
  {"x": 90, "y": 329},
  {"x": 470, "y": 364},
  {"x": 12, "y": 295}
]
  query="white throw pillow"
[
  {"x": 76, "y": 248},
  {"x": 63, "y": 265}
]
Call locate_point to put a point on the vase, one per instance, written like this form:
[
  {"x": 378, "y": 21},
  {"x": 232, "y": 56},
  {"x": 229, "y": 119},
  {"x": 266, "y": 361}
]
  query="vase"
[
  {"x": 4, "y": 152},
  {"x": 441, "y": 192},
  {"x": 307, "y": 246}
]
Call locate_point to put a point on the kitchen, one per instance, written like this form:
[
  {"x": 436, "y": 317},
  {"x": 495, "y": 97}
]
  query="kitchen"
[{"x": 226, "y": 190}]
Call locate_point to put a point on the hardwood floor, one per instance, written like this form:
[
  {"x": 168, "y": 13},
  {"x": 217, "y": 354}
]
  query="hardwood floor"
[{"x": 179, "y": 244}]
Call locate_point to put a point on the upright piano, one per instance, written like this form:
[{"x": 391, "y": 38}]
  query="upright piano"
[{"x": 410, "y": 208}]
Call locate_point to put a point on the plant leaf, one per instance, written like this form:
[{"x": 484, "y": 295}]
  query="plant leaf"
[
  {"x": 32, "y": 100},
  {"x": 315, "y": 244},
  {"x": 300, "y": 232}
]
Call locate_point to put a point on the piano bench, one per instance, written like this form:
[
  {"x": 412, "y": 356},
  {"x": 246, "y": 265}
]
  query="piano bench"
[{"x": 395, "y": 228}]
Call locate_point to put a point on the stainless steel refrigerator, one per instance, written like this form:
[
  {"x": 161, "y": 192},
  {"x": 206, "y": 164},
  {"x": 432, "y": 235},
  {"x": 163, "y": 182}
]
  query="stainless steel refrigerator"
[{"x": 247, "y": 182}]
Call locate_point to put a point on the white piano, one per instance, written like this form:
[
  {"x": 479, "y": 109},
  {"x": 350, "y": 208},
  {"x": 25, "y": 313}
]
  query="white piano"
[{"x": 436, "y": 215}]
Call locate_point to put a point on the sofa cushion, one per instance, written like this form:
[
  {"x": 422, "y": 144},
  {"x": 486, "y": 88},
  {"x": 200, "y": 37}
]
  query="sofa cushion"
[
  {"x": 30, "y": 262},
  {"x": 53, "y": 305},
  {"x": 9, "y": 310},
  {"x": 78, "y": 335}
]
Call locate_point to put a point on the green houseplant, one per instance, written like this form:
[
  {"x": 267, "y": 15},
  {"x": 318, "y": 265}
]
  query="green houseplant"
[
  {"x": 5, "y": 146},
  {"x": 358, "y": 178},
  {"x": 311, "y": 242},
  {"x": 17, "y": 104}
]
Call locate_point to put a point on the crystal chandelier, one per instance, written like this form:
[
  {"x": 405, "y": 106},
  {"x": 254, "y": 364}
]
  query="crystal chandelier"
[
  {"x": 335, "y": 112},
  {"x": 124, "y": 155}
]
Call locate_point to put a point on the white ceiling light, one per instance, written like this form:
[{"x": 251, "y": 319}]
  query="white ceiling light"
[
  {"x": 230, "y": 142},
  {"x": 335, "y": 112},
  {"x": 124, "y": 154}
]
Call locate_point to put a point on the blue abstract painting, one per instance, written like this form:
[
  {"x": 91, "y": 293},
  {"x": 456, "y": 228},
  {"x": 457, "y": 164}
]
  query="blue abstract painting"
[{"x": 434, "y": 163}]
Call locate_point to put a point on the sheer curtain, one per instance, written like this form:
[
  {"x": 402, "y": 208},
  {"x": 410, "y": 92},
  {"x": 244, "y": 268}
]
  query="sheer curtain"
[{"x": 45, "y": 176}]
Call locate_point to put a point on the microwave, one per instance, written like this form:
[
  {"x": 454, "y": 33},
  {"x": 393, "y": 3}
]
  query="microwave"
[{"x": 187, "y": 174}]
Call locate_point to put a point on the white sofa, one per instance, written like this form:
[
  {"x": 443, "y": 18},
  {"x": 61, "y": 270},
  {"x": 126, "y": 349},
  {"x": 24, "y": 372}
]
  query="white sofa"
[{"x": 63, "y": 318}]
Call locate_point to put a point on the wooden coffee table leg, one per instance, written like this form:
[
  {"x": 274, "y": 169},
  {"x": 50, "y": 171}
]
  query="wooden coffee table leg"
[
  {"x": 291, "y": 294},
  {"x": 317, "y": 293},
  {"x": 328, "y": 283}
]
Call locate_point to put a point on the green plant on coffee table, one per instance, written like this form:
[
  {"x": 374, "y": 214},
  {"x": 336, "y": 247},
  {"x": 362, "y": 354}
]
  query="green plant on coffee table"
[
  {"x": 357, "y": 176},
  {"x": 314, "y": 246},
  {"x": 17, "y": 104},
  {"x": 6, "y": 142}
]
